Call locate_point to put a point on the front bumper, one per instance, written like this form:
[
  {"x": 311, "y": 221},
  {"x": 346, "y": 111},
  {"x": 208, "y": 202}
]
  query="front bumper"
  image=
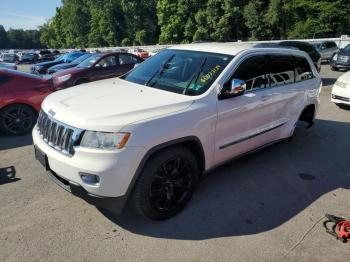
[
  {"x": 116, "y": 170},
  {"x": 342, "y": 65},
  {"x": 340, "y": 95},
  {"x": 114, "y": 204}
]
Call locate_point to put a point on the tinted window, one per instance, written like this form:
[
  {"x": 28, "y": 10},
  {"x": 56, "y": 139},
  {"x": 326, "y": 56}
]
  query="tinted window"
[
  {"x": 281, "y": 70},
  {"x": 253, "y": 72},
  {"x": 302, "y": 69},
  {"x": 125, "y": 59},
  {"x": 107, "y": 62},
  {"x": 4, "y": 79},
  {"x": 330, "y": 45}
]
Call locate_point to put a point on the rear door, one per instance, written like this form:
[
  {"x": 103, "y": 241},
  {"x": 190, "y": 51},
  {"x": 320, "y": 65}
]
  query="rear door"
[
  {"x": 286, "y": 94},
  {"x": 105, "y": 68},
  {"x": 244, "y": 122},
  {"x": 126, "y": 63}
]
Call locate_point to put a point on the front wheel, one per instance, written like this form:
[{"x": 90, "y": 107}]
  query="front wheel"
[
  {"x": 166, "y": 184},
  {"x": 17, "y": 119}
]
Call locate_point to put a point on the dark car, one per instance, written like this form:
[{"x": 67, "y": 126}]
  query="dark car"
[
  {"x": 46, "y": 55},
  {"x": 21, "y": 95},
  {"x": 29, "y": 58},
  {"x": 63, "y": 66},
  {"x": 9, "y": 58},
  {"x": 98, "y": 66},
  {"x": 341, "y": 60},
  {"x": 303, "y": 46},
  {"x": 41, "y": 68}
]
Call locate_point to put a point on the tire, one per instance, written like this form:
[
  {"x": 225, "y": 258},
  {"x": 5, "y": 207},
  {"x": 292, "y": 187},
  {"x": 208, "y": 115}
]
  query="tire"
[
  {"x": 166, "y": 183},
  {"x": 16, "y": 120},
  {"x": 81, "y": 81}
]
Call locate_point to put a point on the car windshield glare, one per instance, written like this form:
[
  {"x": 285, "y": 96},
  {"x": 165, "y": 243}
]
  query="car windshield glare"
[
  {"x": 180, "y": 71},
  {"x": 89, "y": 62},
  {"x": 81, "y": 59},
  {"x": 61, "y": 58}
]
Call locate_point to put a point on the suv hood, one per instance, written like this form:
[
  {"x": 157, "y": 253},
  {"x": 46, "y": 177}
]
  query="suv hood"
[
  {"x": 111, "y": 104},
  {"x": 345, "y": 78}
]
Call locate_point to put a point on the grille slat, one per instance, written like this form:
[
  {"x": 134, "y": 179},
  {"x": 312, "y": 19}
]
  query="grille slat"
[{"x": 61, "y": 137}]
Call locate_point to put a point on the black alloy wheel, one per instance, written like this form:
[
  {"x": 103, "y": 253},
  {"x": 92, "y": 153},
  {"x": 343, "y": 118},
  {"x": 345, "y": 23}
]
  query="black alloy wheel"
[
  {"x": 166, "y": 184},
  {"x": 17, "y": 119}
]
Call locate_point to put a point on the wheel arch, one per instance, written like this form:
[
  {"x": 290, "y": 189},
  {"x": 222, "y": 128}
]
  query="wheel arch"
[
  {"x": 191, "y": 142},
  {"x": 19, "y": 103},
  {"x": 308, "y": 114}
]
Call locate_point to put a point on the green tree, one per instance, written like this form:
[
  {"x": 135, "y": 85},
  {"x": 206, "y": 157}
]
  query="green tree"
[{"x": 3, "y": 37}]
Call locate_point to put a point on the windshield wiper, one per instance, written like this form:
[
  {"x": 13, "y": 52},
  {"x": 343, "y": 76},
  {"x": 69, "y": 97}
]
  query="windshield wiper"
[
  {"x": 195, "y": 75},
  {"x": 160, "y": 71}
]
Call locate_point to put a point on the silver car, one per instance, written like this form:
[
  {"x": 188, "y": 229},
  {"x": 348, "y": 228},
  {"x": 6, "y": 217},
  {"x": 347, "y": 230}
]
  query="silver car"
[{"x": 327, "y": 49}]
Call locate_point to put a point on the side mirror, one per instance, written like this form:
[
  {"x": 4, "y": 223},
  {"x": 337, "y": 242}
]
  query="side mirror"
[{"x": 235, "y": 87}]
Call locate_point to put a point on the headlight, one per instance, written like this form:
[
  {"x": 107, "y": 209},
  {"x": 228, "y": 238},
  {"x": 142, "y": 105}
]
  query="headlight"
[
  {"x": 102, "y": 140},
  {"x": 64, "y": 78},
  {"x": 341, "y": 84},
  {"x": 335, "y": 57}
]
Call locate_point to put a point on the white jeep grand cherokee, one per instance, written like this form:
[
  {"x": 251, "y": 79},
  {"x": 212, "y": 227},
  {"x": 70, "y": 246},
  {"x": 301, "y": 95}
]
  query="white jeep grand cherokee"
[{"x": 152, "y": 133}]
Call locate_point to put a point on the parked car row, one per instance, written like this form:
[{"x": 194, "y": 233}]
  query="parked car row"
[
  {"x": 21, "y": 94},
  {"x": 150, "y": 134},
  {"x": 28, "y": 56}
]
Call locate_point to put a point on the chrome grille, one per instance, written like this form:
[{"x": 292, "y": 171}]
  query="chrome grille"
[{"x": 59, "y": 136}]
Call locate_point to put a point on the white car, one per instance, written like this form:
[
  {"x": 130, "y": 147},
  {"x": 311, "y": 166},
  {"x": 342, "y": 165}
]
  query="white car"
[
  {"x": 151, "y": 134},
  {"x": 341, "y": 90}
]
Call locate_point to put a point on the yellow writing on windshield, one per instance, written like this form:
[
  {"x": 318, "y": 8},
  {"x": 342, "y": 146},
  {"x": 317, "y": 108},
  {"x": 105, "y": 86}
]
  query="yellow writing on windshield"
[{"x": 206, "y": 77}]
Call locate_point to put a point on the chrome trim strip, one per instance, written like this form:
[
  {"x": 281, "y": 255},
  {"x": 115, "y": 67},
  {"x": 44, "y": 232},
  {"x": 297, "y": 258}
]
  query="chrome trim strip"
[{"x": 251, "y": 136}]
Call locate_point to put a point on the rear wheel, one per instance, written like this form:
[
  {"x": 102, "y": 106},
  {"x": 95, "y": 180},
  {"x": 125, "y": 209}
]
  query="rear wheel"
[
  {"x": 17, "y": 119},
  {"x": 81, "y": 81},
  {"x": 166, "y": 184}
]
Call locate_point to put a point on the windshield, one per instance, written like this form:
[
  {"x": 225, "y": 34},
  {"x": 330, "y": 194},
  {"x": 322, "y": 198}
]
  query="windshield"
[
  {"x": 347, "y": 48},
  {"x": 81, "y": 58},
  {"x": 89, "y": 62},
  {"x": 317, "y": 46},
  {"x": 180, "y": 71},
  {"x": 61, "y": 58},
  {"x": 9, "y": 56}
]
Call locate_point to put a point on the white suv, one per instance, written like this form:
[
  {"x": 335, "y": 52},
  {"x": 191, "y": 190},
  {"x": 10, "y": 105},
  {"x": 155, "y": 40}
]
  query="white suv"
[{"x": 151, "y": 134}]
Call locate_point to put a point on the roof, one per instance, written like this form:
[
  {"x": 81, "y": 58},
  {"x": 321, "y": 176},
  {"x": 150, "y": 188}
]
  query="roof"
[{"x": 221, "y": 48}]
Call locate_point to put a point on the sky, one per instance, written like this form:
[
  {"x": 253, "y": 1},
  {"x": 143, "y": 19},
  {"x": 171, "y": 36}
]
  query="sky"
[{"x": 26, "y": 14}]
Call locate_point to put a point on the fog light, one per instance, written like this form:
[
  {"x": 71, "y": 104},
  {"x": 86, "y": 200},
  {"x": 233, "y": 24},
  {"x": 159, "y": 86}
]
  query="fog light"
[{"x": 90, "y": 179}]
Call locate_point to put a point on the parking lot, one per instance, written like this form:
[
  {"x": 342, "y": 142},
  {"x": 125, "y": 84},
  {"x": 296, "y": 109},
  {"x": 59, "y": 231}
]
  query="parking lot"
[{"x": 267, "y": 206}]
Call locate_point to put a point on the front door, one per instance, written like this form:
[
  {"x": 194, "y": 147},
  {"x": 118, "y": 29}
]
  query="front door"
[{"x": 244, "y": 122}]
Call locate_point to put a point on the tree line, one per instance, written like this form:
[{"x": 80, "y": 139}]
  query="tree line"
[
  {"x": 91, "y": 23},
  {"x": 19, "y": 39}
]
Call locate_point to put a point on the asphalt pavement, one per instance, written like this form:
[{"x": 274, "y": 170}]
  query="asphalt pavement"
[{"x": 267, "y": 206}]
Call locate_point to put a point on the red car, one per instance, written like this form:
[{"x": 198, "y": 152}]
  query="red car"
[
  {"x": 140, "y": 53},
  {"x": 96, "y": 67},
  {"x": 21, "y": 95}
]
